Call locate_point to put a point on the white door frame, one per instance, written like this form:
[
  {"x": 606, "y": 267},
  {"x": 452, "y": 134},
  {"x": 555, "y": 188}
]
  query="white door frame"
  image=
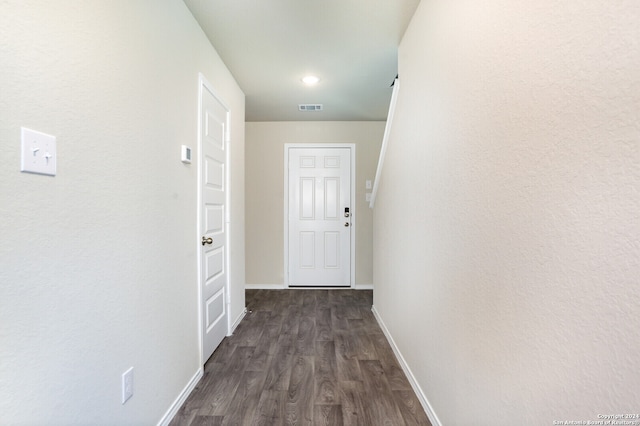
[
  {"x": 352, "y": 148},
  {"x": 202, "y": 84}
]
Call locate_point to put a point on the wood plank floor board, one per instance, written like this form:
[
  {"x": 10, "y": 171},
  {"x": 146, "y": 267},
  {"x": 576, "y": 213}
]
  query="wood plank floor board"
[
  {"x": 304, "y": 357},
  {"x": 279, "y": 370},
  {"x": 207, "y": 421},
  {"x": 222, "y": 354},
  {"x": 334, "y": 297},
  {"x": 356, "y": 325},
  {"x": 277, "y": 317},
  {"x": 346, "y": 357},
  {"x": 350, "y": 307},
  {"x": 354, "y": 407},
  {"x": 410, "y": 408},
  {"x": 362, "y": 345},
  {"x": 323, "y": 324},
  {"x": 266, "y": 346},
  {"x": 249, "y": 335},
  {"x": 327, "y": 415},
  {"x": 291, "y": 323},
  {"x": 270, "y": 410},
  {"x": 395, "y": 376},
  {"x": 339, "y": 318},
  {"x": 325, "y": 379},
  {"x": 309, "y": 301},
  {"x": 306, "y": 336},
  {"x": 300, "y": 395},
  {"x": 371, "y": 327},
  {"x": 384, "y": 409},
  {"x": 245, "y": 400},
  {"x": 217, "y": 401},
  {"x": 183, "y": 417}
]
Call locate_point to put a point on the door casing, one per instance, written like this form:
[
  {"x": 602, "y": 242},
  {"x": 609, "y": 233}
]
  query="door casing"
[{"x": 353, "y": 210}]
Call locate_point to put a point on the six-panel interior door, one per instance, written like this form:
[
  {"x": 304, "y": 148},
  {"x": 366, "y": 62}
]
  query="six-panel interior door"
[
  {"x": 319, "y": 230},
  {"x": 213, "y": 278}
]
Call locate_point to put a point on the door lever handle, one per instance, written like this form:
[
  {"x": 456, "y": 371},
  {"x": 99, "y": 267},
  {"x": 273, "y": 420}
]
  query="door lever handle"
[
  {"x": 206, "y": 240},
  {"x": 346, "y": 224}
]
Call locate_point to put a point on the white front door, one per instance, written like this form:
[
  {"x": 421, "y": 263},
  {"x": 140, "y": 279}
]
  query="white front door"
[
  {"x": 320, "y": 216},
  {"x": 213, "y": 201}
]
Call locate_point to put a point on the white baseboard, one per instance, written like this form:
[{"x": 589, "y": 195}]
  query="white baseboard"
[
  {"x": 237, "y": 321},
  {"x": 412, "y": 379},
  {"x": 364, "y": 287},
  {"x": 282, "y": 287},
  {"x": 173, "y": 410},
  {"x": 264, "y": 286}
]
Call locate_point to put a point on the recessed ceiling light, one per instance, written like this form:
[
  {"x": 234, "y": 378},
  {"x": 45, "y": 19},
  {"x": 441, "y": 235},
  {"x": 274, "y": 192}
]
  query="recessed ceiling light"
[{"x": 310, "y": 80}]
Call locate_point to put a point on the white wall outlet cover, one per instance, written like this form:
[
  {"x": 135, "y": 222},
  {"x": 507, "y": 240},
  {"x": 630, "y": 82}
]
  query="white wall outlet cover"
[
  {"x": 127, "y": 385},
  {"x": 185, "y": 154},
  {"x": 38, "y": 152},
  {"x": 367, "y": 196}
]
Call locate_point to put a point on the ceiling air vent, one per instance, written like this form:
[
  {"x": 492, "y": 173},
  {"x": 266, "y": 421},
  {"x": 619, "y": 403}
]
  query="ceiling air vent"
[{"x": 310, "y": 107}]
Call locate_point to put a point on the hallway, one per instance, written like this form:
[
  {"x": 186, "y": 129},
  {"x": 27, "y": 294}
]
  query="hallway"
[{"x": 305, "y": 357}]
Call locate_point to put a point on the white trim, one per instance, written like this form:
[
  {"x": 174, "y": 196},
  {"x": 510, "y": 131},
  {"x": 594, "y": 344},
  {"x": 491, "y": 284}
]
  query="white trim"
[
  {"x": 182, "y": 397},
  {"x": 326, "y": 287},
  {"x": 264, "y": 287},
  {"x": 236, "y": 323},
  {"x": 203, "y": 83},
  {"x": 227, "y": 213},
  {"x": 385, "y": 141},
  {"x": 198, "y": 223},
  {"x": 320, "y": 287},
  {"x": 352, "y": 148},
  {"x": 433, "y": 418},
  {"x": 282, "y": 287},
  {"x": 364, "y": 287}
]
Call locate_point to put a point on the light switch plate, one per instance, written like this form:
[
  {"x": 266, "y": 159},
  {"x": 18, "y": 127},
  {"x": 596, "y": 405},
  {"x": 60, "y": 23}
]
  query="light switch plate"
[
  {"x": 38, "y": 152},
  {"x": 368, "y": 184},
  {"x": 127, "y": 385}
]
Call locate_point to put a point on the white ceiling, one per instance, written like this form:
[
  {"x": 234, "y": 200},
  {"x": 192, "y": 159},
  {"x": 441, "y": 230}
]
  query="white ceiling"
[{"x": 269, "y": 45}]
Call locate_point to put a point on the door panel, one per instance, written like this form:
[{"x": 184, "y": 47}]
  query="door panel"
[
  {"x": 215, "y": 311},
  {"x": 332, "y": 198},
  {"x": 307, "y": 199},
  {"x": 319, "y": 234},
  {"x": 214, "y": 173},
  {"x": 214, "y": 219},
  {"x": 213, "y": 279},
  {"x": 332, "y": 250}
]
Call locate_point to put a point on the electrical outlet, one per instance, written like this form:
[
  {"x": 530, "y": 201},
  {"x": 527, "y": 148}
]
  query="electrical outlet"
[{"x": 127, "y": 385}]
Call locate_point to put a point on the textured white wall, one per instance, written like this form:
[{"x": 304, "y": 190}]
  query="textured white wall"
[
  {"x": 265, "y": 189},
  {"x": 98, "y": 264},
  {"x": 507, "y": 228}
]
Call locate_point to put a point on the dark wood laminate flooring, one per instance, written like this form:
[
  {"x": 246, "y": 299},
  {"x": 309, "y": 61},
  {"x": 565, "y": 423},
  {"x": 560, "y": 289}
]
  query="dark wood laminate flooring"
[{"x": 304, "y": 357}]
